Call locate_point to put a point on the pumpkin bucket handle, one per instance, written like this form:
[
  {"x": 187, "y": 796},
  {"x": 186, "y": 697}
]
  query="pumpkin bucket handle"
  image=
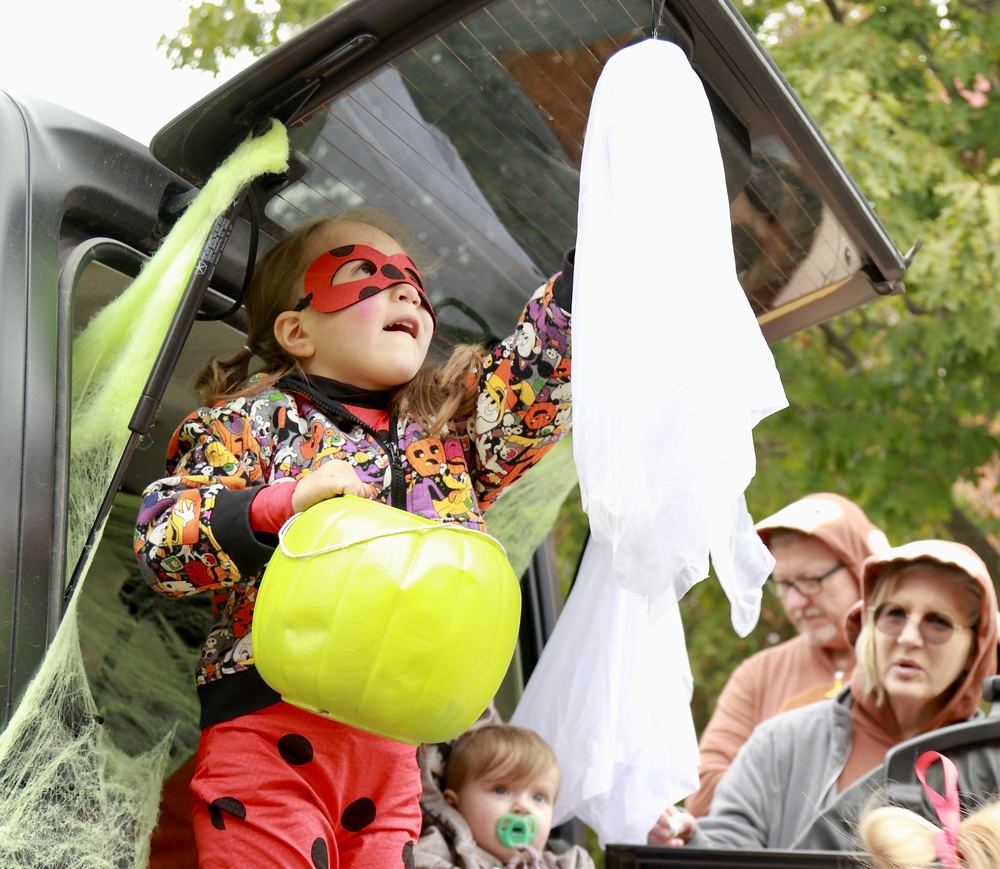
[{"x": 336, "y": 547}]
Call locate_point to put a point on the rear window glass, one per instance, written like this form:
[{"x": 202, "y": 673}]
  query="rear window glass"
[{"x": 474, "y": 138}]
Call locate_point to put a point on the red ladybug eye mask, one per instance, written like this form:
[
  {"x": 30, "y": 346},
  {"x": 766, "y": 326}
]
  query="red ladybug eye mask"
[{"x": 384, "y": 271}]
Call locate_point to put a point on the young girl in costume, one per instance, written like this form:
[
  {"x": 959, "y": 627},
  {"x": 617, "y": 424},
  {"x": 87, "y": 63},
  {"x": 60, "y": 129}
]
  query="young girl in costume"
[{"x": 343, "y": 404}]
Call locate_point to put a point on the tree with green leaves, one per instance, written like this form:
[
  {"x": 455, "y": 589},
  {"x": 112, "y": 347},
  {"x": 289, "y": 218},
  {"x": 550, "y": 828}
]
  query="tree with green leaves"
[
  {"x": 895, "y": 404},
  {"x": 217, "y": 30}
]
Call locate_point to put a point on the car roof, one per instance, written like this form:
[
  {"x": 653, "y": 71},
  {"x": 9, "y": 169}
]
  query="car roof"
[{"x": 466, "y": 121}]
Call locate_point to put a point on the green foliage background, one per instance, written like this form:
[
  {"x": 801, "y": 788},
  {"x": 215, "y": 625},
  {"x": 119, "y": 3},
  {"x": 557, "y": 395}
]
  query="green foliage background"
[{"x": 893, "y": 405}]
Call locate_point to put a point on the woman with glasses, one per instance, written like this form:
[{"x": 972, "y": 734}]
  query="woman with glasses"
[{"x": 927, "y": 640}]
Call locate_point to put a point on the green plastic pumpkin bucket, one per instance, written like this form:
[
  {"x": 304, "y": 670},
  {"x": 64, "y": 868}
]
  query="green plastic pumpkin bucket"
[{"x": 386, "y": 621}]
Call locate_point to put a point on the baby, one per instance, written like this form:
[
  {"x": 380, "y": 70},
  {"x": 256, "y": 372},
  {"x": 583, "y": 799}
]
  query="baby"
[{"x": 495, "y": 809}]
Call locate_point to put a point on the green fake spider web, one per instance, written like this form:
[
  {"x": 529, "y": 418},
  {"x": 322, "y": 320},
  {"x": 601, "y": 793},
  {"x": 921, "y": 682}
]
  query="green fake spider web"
[{"x": 69, "y": 798}]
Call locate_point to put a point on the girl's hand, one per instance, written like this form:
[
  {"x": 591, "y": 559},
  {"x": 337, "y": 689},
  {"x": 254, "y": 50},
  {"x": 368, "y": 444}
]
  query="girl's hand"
[
  {"x": 673, "y": 828},
  {"x": 333, "y": 478}
]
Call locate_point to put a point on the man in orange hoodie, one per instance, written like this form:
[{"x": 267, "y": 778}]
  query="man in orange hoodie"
[{"x": 819, "y": 544}]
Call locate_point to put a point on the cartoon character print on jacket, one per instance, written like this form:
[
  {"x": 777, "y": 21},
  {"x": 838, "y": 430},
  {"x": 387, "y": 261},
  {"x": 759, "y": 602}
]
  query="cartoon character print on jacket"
[
  {"x": 193, "y": 534},
  {"x": 440, "y": 483},
  {"x": 423, "y": 483},
  {"x": 304, "y": 444},
  {"x": 184, "y": 521},
  {"x": 460, "y": 500},
  {"x": 534, "y": 359}
]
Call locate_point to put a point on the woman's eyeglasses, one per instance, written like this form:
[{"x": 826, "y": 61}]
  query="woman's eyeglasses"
[
  {"x": 809, "y": 586},
  {"x": 935, "y": 628}
]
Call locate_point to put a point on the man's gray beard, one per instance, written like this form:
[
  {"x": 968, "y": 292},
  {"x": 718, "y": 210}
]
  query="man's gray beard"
[{"x": 821, "y": 636}]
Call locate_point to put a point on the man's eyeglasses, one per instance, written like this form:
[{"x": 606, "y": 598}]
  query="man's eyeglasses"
[
  {"x": 809, "y": 586},
  {"x": 935, "y": 628}
]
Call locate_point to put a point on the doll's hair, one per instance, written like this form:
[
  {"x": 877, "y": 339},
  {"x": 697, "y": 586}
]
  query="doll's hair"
[
  {"x": 502, "y": 750},
  {"x": 897, "y": 838},
  {"x": 885, "y": 586},
  {"x": 436, "y": 396}
]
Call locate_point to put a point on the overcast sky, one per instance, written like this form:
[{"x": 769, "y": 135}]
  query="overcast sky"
[{"x": 100, "y": 58}]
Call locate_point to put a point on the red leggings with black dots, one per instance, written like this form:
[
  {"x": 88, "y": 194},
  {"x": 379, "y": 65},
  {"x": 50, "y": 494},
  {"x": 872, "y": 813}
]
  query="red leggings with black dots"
[{"x": 287, "y": 788}]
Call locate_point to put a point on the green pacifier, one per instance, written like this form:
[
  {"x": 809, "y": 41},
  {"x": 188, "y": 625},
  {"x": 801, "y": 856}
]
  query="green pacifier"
[{"x": 514, "y": 830}]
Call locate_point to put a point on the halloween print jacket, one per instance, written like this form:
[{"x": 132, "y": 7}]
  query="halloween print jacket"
[{"x": 193, "y": 532}]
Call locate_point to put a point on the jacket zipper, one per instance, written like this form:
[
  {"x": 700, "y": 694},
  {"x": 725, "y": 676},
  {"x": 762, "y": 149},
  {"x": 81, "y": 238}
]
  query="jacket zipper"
[{"x": 397, "y": 476}]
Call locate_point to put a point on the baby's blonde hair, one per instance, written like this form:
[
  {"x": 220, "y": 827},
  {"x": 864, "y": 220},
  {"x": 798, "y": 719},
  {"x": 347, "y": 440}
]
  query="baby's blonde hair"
[
  {"x": 897, "y": 838},
  {"x": 502, "y": 750}
]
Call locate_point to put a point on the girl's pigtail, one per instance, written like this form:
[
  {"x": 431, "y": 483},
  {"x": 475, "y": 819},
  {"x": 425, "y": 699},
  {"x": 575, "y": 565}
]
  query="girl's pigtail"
[
  {"x": 897, "y": 838},
  {"x": 440, "y": 396},
  {"x": 979, "y": 838},
  {"x": 222, "y": 377}
]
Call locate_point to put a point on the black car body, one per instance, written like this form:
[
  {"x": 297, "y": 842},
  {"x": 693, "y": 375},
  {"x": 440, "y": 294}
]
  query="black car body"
[{"x": 464, "y": 120}]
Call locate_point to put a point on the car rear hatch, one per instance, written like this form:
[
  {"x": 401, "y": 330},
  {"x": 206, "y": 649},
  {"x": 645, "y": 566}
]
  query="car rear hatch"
[{"x": 467, "y": 120}]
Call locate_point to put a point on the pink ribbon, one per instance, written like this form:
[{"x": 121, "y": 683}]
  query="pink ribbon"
[{"x": 946, "y": 807}]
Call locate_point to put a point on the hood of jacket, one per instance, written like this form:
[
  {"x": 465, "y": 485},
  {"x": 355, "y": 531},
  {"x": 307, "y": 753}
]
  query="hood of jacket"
[{"x": 834, "y": 520}]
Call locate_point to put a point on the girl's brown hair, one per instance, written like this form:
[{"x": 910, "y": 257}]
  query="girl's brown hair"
[
  {"x": 437, "y": 395},
  {"x": 502, "y": 750}
]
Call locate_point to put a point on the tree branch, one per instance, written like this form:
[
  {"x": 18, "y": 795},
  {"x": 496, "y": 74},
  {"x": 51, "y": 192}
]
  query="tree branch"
[
  {"x": 835, "y": 13},
  {"x": 912, "y": 306},
  {"x": 963, "y": 530},
  {"x": 835, "y": 341}
]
